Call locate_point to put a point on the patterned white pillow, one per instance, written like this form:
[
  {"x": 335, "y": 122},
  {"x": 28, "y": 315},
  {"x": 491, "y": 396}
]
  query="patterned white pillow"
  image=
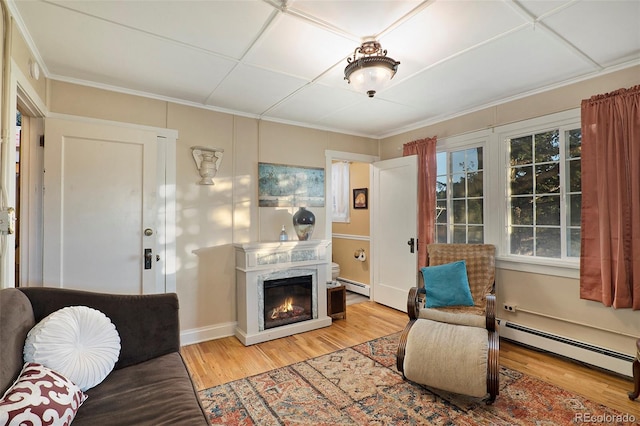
[
  {"x": 40, "y": 396},
  {"x": 79, "y": 342}
]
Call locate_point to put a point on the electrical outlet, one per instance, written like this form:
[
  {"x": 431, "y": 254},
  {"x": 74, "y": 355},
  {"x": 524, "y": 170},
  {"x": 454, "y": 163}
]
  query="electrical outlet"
[{"x": 509, "y": 307}]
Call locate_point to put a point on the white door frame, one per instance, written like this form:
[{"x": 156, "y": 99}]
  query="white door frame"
[
  {"x": 20, "y": 91},
  {"x": 330, "y": 157},
  {"x": 167, "y": 139}
]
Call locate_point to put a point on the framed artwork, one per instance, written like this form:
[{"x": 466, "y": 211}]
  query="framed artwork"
[
  {"x": 361, "y": 198},
  {"x": 280, "y": 185}
]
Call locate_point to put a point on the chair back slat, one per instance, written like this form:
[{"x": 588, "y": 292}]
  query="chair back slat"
[{"x": 480, "y": 260}]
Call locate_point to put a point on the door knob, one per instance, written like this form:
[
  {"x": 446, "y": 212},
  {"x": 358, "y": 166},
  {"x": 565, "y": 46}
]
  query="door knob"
[
  {"x": 411, "y": 244},
  {"x": 148, "y": 232}
]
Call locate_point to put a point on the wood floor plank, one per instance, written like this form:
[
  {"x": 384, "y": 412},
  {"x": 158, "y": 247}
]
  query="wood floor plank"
[{"x": 223, "y": 360}]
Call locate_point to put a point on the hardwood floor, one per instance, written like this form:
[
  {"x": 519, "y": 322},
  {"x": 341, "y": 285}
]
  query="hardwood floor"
[{"x": 220, "y": 361}]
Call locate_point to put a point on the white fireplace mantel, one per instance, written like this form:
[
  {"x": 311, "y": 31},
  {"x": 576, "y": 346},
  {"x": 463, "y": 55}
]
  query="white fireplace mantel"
[{"x": 261, "y": 261}]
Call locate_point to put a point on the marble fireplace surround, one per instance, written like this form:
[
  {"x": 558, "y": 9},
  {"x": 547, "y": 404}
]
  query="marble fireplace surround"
[{"x": 262, "y": 261}]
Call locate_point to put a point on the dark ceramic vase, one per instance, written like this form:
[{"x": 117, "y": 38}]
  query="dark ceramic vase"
[{"x": 303, "y": 222}]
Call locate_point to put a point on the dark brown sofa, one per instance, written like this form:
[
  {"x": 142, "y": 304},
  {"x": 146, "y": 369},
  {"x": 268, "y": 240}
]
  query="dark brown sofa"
[{"x": 150, "y": 384}]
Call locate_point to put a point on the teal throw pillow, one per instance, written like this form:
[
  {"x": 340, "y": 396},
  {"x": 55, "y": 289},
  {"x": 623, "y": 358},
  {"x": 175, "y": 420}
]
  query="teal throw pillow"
[{"x": 447, "y": 285}]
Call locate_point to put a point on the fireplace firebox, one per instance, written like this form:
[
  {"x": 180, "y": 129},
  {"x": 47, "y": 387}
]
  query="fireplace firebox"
[{"x": 288, "y": 300}]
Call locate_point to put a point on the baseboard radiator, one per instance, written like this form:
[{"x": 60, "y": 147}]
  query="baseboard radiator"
[
  {"x": 593, "y": 355},
  {"x": 355, "y": 286}
]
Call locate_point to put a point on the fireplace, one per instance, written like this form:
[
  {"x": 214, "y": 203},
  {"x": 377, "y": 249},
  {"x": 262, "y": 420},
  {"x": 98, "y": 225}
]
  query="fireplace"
[
  {"x": 287, "y": 301},
  {"x": 281, "y": 289}
]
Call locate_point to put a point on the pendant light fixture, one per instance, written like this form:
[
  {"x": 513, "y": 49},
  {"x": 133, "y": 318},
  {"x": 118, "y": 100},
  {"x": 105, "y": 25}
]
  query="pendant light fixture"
[{"x": 372, "y": 70}]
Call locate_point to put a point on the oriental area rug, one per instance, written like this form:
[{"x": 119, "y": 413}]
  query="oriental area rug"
[{"x": 361, "y": 386}]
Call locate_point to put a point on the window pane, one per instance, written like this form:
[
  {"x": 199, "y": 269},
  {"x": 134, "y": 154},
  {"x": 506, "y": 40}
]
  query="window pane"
[
  {"x": 548, "y": 210},
  {"x": 476, "y": 155},
  {"x": 474, "y": 211},
  {"x": 547, "y": 146},
  {"x": 460, "y": 234},
  {"x": 441, "y": 187},
  {"x": 441, "y": 233},
  {"x": 574, "y": 137},
  {"x": 475, "y": 184},
  {"x": 547, "y": 178},
  {"x": 522, "y": 241},
  {"x": 573, "y": 243},
  {"x": 441, "y": 211},
  {"x": 521, "y": 150},
  {"x": 521, "y": 180},
  {"x": 575, "y": 175},
  {"x": 522, "y": 211},
  {"x": 476, "y": 235},
  {"x": 459, "y": 190},
  {"x": 573, "y": 207},
  {"x": 459, "y": 211},
  {"x": 458, "y": 162},
  {"x": 441, "y": 163},
  {"x": 548, "y": 242}
]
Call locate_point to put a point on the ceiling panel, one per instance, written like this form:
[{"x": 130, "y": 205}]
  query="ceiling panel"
[
  {"x": 295, "y": 47},
  {"x": 123, "y": 57},
  {"x": 314, "y": 102},
  {"x": 357, "y": 18},
  {"x": 371, "y": 115},
  {"x": 584, "y": 25},
  {"x": 494, "y": 71},
  {"x": 267, "y": 87},
  {"x": 226, "y": 27},
  {"x": 445, "y": 29}
]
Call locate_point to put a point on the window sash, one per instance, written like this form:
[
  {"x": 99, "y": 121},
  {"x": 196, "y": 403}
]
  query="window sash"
[{"x": 532, "y": 214}]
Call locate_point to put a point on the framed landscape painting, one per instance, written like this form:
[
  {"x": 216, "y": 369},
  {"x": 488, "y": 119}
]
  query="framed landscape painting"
[{"x": 281, "y": 185}]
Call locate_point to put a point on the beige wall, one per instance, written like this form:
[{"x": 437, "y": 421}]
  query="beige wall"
[
  {"x": 344, "y": 248},
  {"x": 210, "y": 219},
  {"x": 552, "y": 303}
]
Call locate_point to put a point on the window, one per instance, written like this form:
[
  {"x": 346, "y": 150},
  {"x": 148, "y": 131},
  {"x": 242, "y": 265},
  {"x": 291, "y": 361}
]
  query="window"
[
  {"x": 340, "y": 191},
  {"x": 460, "y": 196},
  {"x": 543, "y": 168}
]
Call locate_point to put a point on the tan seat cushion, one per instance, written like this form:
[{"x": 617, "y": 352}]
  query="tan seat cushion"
[{"x": 453, "y": 358}]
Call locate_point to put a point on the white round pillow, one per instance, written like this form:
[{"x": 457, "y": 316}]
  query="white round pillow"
[{"x": 79, "y": 342}]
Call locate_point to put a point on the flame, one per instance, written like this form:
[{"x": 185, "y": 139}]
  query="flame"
[{"x": 287, "y": 306}]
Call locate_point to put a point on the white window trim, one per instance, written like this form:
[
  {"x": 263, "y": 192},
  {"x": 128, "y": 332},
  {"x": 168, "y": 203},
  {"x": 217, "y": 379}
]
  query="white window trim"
[
  {"x": 478, "y": 139},
  {"x": 558, "y": 267},
  {"x": 495, "y": 159}
]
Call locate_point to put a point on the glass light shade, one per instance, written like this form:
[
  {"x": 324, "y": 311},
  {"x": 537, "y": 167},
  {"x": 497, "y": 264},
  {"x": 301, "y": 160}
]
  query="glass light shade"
[{"x": 371, "y": 79}]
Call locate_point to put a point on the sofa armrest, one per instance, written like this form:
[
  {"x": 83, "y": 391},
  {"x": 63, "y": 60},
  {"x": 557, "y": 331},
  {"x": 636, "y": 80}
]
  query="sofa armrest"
[{"x": 148, "y": 324}]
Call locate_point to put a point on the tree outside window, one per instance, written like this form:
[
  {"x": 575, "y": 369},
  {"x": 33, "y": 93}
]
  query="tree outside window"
[
  {"x": 541, "y": 223},
  {"x": 460, "y": 196}
]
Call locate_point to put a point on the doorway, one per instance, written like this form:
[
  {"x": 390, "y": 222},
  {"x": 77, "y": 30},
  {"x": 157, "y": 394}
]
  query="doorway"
[{"x": 353, "y": 236}]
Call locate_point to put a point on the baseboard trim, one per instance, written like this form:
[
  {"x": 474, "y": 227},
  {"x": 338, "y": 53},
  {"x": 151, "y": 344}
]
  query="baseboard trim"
[
  {"x": 202, "y": 334},
  {"x": 355, "y": 286},
  {"x": 579, "y": 351}
]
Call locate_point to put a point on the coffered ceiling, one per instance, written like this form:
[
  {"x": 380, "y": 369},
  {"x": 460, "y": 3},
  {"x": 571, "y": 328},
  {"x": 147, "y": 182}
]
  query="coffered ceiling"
[{"x": 284, "y": 60}]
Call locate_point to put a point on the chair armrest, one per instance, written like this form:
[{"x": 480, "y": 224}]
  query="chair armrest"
[
  {"x": 414, "y": 301},
  {"x": 148, "y": 325},
  {"x": 491, "y": 312}
]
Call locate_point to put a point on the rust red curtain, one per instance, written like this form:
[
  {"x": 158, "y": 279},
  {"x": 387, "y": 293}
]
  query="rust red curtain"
[
  {"x": 610, "y": 229},
  {"x": 425, "y": 149}
]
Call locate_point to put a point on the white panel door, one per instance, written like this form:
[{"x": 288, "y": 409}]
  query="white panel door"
[
  {"x": 100, "y": 196},
  {"x": 395, "y": 213}
]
